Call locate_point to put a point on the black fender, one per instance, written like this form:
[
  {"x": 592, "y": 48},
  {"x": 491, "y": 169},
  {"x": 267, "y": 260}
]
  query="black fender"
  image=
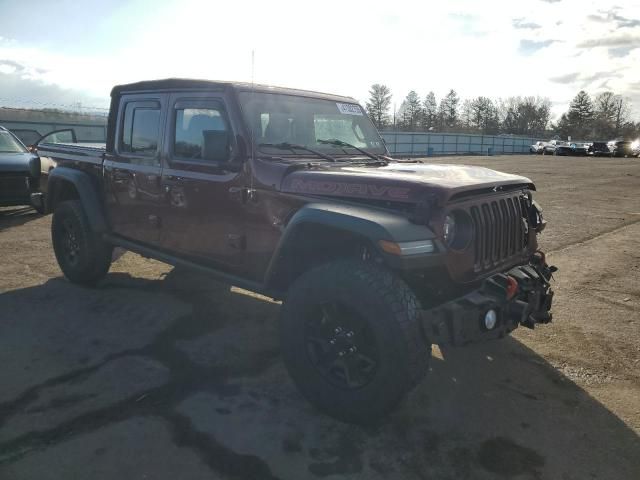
[
  {"x": 88, "y": 192},
  {"x": 371, "y": 224}
]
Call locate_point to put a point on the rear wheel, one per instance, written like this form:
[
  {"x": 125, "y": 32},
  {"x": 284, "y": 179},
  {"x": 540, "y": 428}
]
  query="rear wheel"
[
  {"x": 83, "y": 256},
  {"x": 351, "y": 340}
]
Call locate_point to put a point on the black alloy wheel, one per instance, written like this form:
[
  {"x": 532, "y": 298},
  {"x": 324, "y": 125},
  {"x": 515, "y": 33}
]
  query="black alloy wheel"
[{"x": 341, "y": 345}]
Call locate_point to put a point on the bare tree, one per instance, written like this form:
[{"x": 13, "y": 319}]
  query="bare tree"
[
  {"x": 524, "y": 115},
  {"x": 484, "y": 115},
  {"x": 622, "y": 110}
]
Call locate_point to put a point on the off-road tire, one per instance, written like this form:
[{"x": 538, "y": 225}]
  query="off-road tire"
[
  {"x": 93, "y": 257},
  {"x": 391, "y": 312}
]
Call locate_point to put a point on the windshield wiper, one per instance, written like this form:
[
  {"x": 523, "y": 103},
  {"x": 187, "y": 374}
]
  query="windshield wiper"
[
  {"x": 340, "y": 143},
  {"x": 293, "y": 147}
]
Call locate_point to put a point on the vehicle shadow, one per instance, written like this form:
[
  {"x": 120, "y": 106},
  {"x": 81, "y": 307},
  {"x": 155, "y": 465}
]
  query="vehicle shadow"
[
  {"x": 14, "y": 216},
  {"x": 495, "y": 410}
]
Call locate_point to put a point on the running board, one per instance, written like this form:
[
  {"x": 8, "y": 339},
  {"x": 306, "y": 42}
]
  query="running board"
[{"x": 149, "y": 252}]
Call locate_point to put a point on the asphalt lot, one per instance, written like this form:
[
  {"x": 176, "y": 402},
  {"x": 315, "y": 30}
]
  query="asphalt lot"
[{"x": 161, "y": 374}]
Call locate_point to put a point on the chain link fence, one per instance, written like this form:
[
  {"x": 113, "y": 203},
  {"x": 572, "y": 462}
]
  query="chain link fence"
[{"x": 427, "y": 144}]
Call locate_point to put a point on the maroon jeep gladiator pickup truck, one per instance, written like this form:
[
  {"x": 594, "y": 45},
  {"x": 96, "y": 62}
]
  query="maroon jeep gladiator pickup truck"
[{"x": 292, "y": 194}]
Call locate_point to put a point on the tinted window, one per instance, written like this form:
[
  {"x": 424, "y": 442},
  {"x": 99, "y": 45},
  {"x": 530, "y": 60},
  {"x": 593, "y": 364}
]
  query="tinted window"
[
  {"x": 140, "y": 128},
  {"x": 201, "y": 134},
  {"x": 28, "y": 137}
]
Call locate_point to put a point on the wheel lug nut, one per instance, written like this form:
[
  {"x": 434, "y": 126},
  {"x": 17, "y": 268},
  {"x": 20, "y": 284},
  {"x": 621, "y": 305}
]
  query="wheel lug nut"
[
  {"x": 349, "y": 334},
  {"x": 353, "y": 350},
  {"x": 337, "y": 330},
  {"x": 341, "y": 354},
  {"x": 332, "y": 341}
]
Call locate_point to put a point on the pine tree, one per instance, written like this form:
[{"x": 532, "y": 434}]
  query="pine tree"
[
  {"x": 580, "y": 115},
  {"x": 429, "y": 112},
  {"x": 413, "y": 110},
  {"x": 378, "y": 104},
  {"x": 448, "y": 110}
]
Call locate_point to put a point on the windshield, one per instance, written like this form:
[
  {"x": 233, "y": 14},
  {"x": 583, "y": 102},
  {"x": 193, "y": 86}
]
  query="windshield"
[
  {"x": 8, "y": 144},
  {"x": 277, "y": 119}
]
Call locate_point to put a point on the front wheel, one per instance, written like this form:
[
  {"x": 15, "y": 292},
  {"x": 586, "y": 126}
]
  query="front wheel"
[
  {"x": 351, "y": 340},
  {"x": 83, "y": 256}
]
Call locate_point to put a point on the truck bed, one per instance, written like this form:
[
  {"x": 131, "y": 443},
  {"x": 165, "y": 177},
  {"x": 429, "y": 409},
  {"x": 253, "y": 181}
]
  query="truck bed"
[{"x": 80, "y": 152}]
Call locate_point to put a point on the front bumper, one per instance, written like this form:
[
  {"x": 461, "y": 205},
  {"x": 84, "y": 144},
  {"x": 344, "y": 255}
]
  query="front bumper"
[{"x": 461, "y": 321}]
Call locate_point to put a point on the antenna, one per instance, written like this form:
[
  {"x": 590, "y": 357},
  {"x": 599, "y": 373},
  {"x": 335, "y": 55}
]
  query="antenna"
[
  {"x": 252, "y": 127},
  {"x": 253, "y": 64}
]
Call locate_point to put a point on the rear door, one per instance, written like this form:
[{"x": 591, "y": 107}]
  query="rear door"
[
  {"x": 133, "y": 171},
  {"x": 202, "y": 182}
]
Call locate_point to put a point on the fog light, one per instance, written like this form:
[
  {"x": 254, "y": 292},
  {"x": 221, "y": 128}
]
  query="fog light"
[{"x": 490, "y": 319}]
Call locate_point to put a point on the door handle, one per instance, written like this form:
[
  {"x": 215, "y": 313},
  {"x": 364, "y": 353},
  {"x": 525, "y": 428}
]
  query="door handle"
[{"x": 242, "y": 194}]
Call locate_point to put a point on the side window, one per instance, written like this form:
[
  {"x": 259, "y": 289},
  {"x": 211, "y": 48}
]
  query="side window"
[
  {"x": 201, "y": 134},
  {"x": 140, "y": 128}
]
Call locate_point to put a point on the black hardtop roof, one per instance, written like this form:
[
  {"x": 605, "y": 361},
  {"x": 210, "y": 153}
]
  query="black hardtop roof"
[{"x": 192, "y": 84}]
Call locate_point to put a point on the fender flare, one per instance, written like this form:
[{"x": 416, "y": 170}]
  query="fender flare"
[
  {"x": 87, "y": 189},
  {"x": 371, "y": 224}
]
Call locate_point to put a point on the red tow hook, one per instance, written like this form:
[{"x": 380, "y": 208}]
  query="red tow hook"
[{"x": 512, "y": 287}]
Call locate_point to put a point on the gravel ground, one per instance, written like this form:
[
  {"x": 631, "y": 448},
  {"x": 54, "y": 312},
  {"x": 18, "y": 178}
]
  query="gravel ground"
[{"x": 162, "y": 374}]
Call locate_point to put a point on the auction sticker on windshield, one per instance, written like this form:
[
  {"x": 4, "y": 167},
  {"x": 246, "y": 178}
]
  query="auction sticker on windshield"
[{"x": 349, "y": 109}]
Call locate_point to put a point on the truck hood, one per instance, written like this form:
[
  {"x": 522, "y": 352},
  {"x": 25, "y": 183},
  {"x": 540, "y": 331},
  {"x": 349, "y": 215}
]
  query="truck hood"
[
  {"x": 401, "y": 182},
  {"x": 15, "y": 162}
]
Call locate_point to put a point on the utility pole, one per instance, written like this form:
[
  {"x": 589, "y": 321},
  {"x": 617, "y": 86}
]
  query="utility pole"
[{"x": 394, "y": 116}]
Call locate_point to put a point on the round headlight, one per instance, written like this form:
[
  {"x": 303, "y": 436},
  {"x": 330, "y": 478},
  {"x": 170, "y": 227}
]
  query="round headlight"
[{"x": 457, "y": 230}]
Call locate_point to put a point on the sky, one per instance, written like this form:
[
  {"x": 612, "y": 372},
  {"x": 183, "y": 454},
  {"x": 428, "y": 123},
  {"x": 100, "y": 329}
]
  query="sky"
[{"x": 63, "y": 52}]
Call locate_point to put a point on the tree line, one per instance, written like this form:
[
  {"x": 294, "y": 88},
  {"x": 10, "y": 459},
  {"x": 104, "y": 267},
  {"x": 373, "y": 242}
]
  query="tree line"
[{"x": 607, "y": 116}]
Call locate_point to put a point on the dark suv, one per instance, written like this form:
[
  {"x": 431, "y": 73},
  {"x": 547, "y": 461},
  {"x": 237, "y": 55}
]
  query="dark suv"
[{"x": 292, "y": 194}]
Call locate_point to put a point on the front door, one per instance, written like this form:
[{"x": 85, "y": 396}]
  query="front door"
[
  {"x": 132, "y": 172},
  {"x": 202, "y": 183}
]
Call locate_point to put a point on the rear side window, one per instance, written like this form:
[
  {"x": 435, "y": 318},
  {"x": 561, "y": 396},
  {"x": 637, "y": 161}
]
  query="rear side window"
[
  {"x": 201, "y": 134},
  {"x": 140, "y": 128}
]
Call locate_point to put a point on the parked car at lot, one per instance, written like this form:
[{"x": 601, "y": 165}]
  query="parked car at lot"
[
  {"x": 537, "y": 147},
  {"x": 47, "y": 164},
  {"x": 550, "y": 147},
  {"x": 19, "y": 171},
  {"x": 563, "y": 149},
  {"x": 620, "y": 148},
  {"x": 599, "y": 149},
  {"x": 292, "y": 194},
  {"x": 579, "y": 149}
]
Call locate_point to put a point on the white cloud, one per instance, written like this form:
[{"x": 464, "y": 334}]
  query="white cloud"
[{"x": 493, "y": 48}]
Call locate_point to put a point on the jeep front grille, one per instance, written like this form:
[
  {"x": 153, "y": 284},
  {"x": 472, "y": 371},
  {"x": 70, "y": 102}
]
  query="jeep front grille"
[{"x": 500, "y": 231}]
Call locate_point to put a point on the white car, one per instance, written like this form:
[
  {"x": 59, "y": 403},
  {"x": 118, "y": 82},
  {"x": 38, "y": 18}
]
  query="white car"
[{"x": 537, "y": 147}]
